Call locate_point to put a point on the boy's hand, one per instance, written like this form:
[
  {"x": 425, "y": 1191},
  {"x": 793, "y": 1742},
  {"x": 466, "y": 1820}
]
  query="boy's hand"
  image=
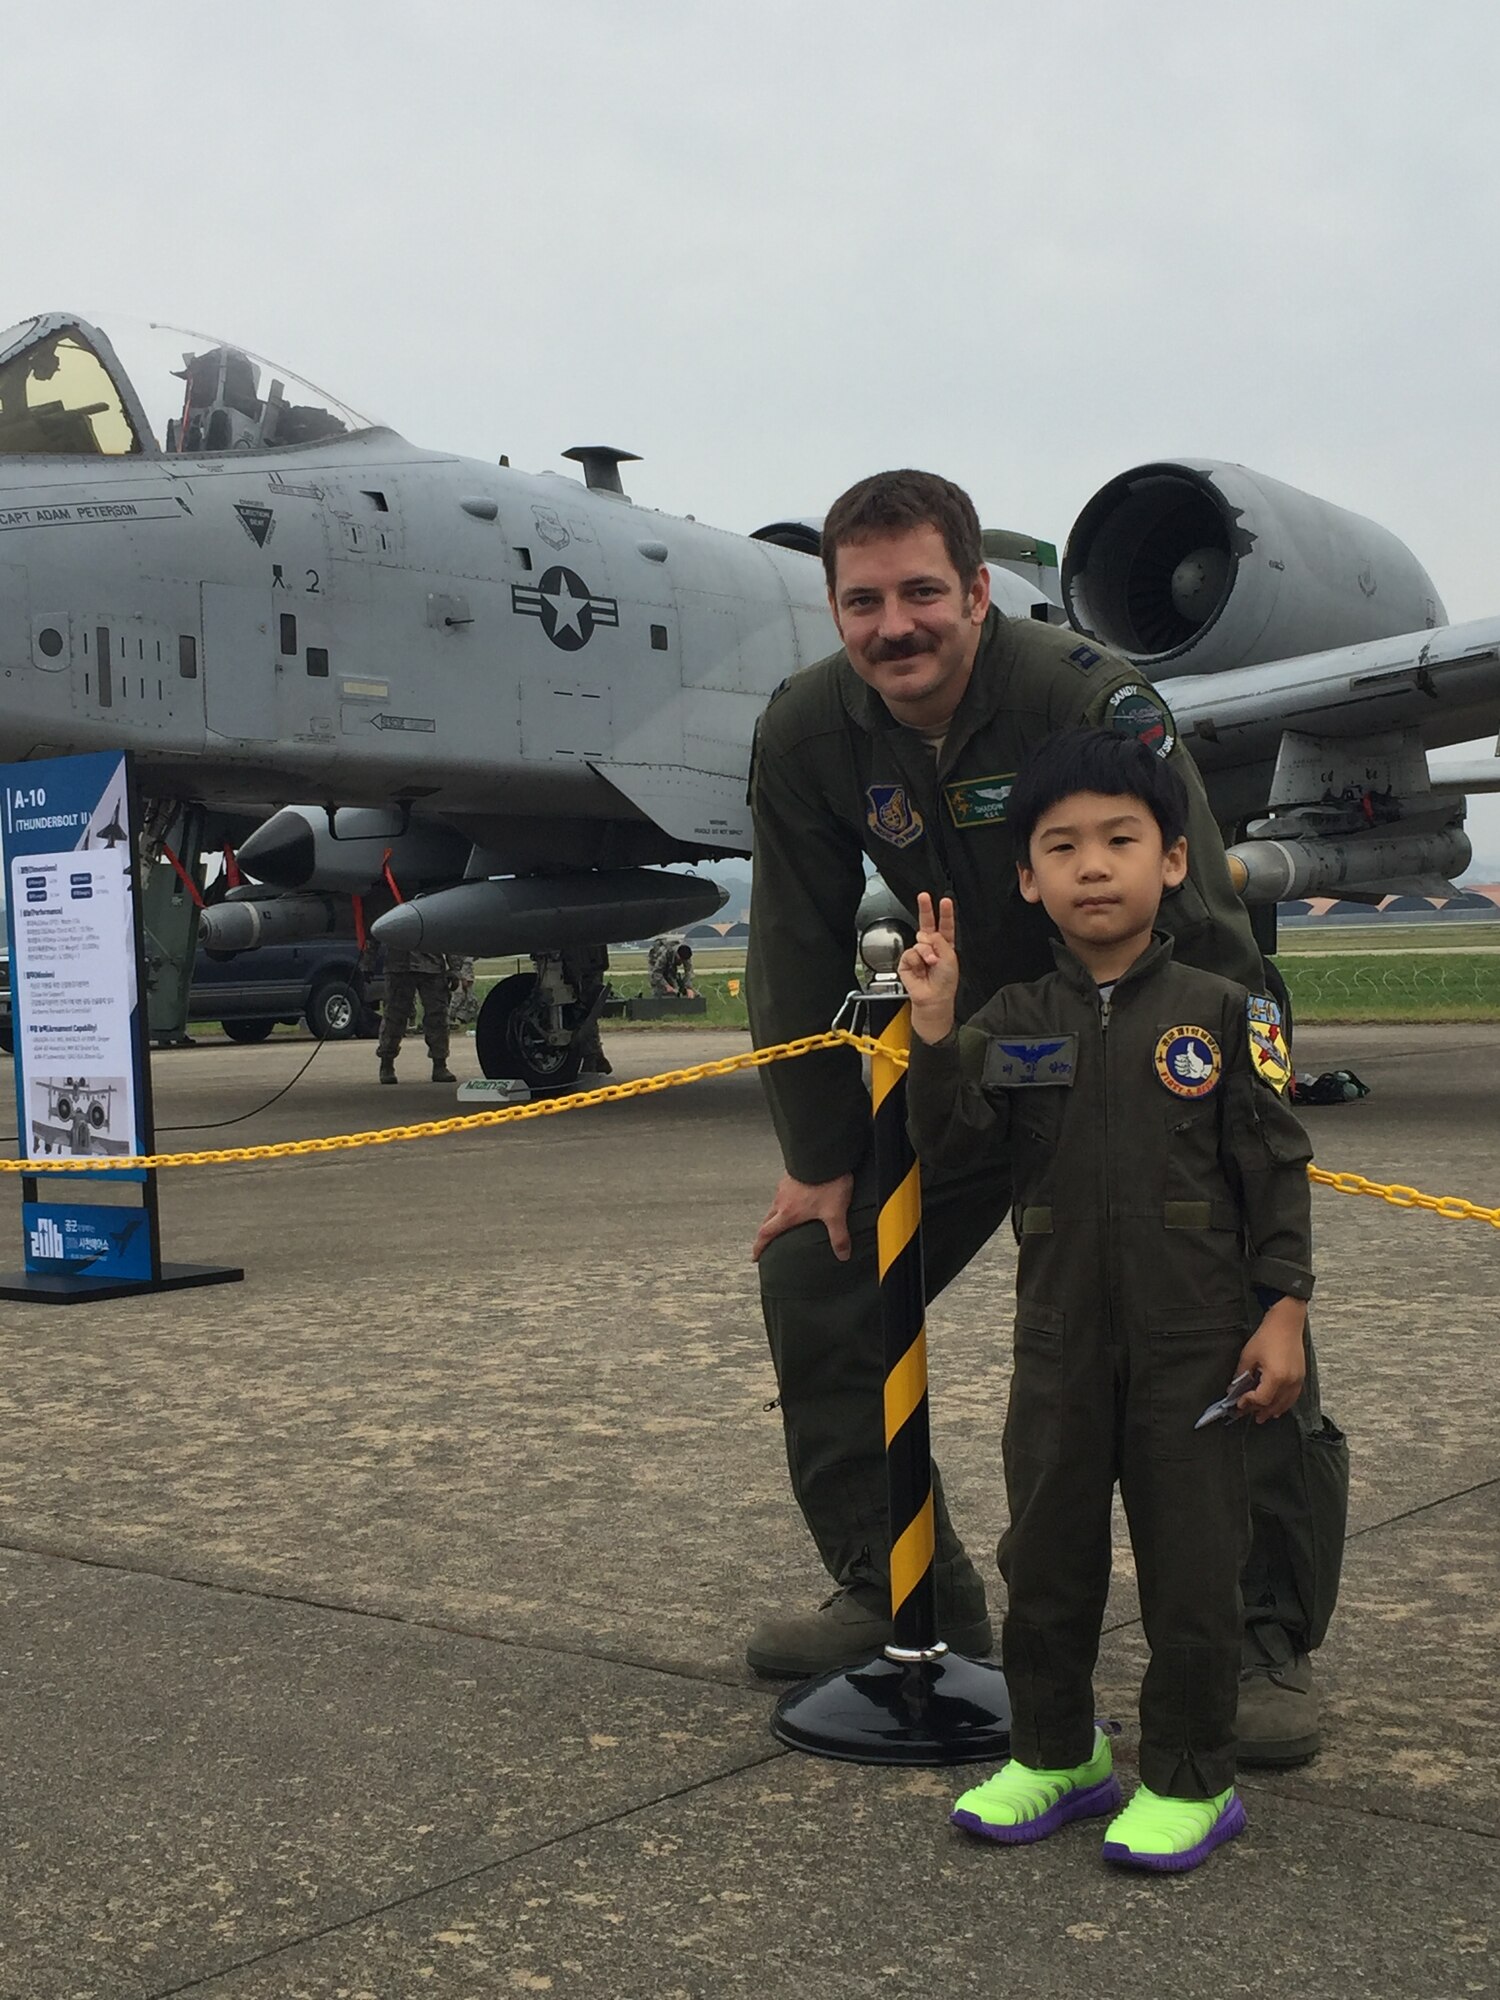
[
  {"x": 929, "y": 970},
  {"x": 1275, "y": 1348}
]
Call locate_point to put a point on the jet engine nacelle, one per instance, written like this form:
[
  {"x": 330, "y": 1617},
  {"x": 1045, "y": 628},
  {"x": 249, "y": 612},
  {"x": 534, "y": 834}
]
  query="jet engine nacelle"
[{"x": 1191, "y": 565}]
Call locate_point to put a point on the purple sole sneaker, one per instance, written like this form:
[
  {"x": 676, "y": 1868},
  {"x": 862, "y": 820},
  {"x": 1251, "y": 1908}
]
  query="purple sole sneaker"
[
  {"x": 1090, "y": 1804},
  {"x": 1230, "y": 1822}
]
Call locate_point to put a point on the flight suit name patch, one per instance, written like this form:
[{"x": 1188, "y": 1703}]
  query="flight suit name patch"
[
  {"x": 1010, "y": 1065},
  {"x": 1188, "y": 1061},
  {"x": 979, "y": 801},
  {"x": 893, "y": 816}
]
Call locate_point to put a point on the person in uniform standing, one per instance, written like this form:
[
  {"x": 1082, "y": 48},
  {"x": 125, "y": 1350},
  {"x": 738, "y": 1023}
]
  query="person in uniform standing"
[
  {"x": 1165, "y": 1225},
  {"x": 902, "y": 749},
  {"x": 411, "y": 975}
]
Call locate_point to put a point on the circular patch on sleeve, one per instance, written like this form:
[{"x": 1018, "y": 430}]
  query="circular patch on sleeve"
[
  {"x": 1188, "y": 1061},
  {"x": 1138, "y": 711}
]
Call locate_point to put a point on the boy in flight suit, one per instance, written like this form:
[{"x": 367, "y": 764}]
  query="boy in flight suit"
[{"x": 1164, "y": 1217}]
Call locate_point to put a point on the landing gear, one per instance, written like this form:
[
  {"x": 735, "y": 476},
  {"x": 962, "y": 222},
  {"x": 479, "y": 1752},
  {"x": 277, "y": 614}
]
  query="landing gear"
[{"x": 541, "y": 1027}]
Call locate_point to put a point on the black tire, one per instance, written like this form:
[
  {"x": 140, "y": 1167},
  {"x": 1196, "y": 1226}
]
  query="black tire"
[
  {"x": 508, "y": 1038},
  {"x": 248, "y": 1031},
  {"x": 7, "y": 1036},
  {"x": 333, "y": 1012}
]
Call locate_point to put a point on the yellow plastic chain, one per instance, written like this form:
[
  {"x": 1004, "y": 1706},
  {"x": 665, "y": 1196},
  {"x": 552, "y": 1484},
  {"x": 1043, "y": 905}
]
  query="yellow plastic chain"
[{"x": 1450, "y": 1205}]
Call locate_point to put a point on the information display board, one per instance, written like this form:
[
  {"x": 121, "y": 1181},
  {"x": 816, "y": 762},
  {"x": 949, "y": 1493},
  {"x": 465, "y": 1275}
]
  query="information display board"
[{"x": 79, "y": 1026}]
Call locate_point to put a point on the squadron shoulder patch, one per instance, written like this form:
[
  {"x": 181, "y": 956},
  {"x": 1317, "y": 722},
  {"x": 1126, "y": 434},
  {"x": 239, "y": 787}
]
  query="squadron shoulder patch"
[
  {"x": 1261, "y": 1007},
  {"x": 979, "y": 801},
  {"x": 1188, "y": 1061},
  {"x": 1140, "y": 712},
  {"x": 1270, "y": 1057},
  {"x": 1012, "y": 1065},
  {"x": 893, "y": 816}
]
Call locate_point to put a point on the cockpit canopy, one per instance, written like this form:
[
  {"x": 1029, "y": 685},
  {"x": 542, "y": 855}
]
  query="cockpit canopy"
[{"x": 64, "y": 392}]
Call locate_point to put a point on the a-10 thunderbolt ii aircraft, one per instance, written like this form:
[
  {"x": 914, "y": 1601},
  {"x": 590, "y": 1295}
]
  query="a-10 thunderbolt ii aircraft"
[{"x": 487, "y": 711}]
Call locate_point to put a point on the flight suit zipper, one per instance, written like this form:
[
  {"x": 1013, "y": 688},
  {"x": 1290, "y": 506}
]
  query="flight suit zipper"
[{"x": 1105, "y": 1003}]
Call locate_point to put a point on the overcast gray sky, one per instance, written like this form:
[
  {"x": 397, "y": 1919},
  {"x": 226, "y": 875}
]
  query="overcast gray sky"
[{"x": 773, "y": 246}]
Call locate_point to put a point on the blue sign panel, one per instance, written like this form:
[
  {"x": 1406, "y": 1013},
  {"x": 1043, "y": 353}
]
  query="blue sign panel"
[
  {"x": 69, "y": 1239},
  {"x": 77, "y": 1014}
]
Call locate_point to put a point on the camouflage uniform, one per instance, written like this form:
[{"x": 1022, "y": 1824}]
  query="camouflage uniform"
[{"x": 408, "y": 976}]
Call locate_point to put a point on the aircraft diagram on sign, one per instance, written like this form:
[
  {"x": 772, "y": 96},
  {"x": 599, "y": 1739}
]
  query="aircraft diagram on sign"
[{"x": 489, "y": 711}]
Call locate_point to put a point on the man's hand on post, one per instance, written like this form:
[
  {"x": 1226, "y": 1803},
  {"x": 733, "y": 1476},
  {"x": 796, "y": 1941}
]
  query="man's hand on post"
[{"x": 796, "y": 1202}]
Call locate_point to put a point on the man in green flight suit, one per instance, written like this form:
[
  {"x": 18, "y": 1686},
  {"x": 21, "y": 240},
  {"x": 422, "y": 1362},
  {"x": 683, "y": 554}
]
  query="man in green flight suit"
[{"x": 902, "y": 748}]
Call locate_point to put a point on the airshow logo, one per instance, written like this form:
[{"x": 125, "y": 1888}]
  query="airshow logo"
[
  {"x": 47, "y": 1239},
  {"x": 568, "y": 609}
]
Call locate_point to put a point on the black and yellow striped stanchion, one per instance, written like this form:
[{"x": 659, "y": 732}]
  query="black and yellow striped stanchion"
[{"x": 915, "y": 1703}]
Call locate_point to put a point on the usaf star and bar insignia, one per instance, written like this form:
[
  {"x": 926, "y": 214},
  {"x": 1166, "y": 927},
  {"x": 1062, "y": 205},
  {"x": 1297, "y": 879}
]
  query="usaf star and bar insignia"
[
  {"x": 1270, "y": 1057},
  {"x": 1188, "y": 1061},
  {"x": 568, "y": 609},
  {"x": 892, "y": 816},
  {"x": 1140, "y": 712},
  {"x": 1013, "y": 1065}
]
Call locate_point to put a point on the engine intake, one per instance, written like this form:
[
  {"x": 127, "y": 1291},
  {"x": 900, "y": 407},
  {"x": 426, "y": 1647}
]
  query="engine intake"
[{"x": 1192, "y": 565}]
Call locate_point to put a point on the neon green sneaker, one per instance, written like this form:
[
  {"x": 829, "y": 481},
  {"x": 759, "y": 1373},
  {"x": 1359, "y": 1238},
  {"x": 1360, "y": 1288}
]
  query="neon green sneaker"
[
  {"x": 1170, "y": 1835},
  {"x": 1019, "y": 1804}
]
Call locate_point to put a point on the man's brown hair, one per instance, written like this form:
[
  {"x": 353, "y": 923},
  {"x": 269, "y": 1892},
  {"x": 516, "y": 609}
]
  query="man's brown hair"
[{"x": 891, "y": 503}]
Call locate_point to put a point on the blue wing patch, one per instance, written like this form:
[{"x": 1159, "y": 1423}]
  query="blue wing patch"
[{"x": 1012, "y": 1065}]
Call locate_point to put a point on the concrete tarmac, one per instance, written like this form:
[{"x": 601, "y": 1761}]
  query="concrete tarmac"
[{"x": 372, "y": 1629}]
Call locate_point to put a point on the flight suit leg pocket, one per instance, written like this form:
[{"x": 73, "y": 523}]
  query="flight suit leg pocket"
[
  {"x": 1034, "y": 1415},
  {"x": 1192, "y": 1356}
]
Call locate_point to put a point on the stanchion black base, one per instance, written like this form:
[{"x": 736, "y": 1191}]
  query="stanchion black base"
[
  {"x": 947, "y": 1710},
  {"x": 44, "y": 1289}
]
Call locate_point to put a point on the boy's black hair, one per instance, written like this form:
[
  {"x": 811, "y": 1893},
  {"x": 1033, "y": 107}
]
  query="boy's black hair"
[{"x": 1095, "y": 760}]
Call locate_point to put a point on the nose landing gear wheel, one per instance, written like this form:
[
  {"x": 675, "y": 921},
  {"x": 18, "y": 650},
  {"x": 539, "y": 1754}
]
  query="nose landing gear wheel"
[{"x": 511, "y": 1039}]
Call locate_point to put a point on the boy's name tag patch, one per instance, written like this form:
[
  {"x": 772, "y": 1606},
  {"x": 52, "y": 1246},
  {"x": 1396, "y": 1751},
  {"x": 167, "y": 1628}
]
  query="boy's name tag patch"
[
  {"x": 1010, "y": 1065},
  {"x": 979, "y": 801},
  {"x": 1188, "y": 1061}
]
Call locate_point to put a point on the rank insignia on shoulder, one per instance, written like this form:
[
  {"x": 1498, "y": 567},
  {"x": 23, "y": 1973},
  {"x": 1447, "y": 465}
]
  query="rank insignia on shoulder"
[
  {"x": 893, "y": 816},
  {"x": 1261, "y": 1007},
  {"x": 979, "y": 801},
  {"x": 1012, "y": 1065},
  {"x": 1188, "y": 1061},
  {"x": 1269, "y": 1056},
  {"x": 1085, "y": 658},
  {"x": 1140, "y": 712}
]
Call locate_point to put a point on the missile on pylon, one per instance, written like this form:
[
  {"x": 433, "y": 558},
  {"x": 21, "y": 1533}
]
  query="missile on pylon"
[
  {"x": 306, "y": 847},
  {"x": 1274, "y": 871},
  {"x": 242, "y": 923},
  {"x": 539, "y": 913}
]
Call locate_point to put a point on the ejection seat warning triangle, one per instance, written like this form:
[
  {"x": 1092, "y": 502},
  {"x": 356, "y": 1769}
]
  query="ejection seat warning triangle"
[{"x": 258, "y": 522}]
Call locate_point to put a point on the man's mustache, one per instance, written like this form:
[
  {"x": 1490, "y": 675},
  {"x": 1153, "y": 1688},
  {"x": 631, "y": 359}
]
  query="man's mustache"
[{"x": 882, "y": 651}]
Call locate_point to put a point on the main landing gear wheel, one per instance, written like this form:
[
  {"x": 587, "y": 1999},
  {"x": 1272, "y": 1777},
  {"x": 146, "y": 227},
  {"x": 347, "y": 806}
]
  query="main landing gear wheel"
[{"x": 511, "y": 1037}]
